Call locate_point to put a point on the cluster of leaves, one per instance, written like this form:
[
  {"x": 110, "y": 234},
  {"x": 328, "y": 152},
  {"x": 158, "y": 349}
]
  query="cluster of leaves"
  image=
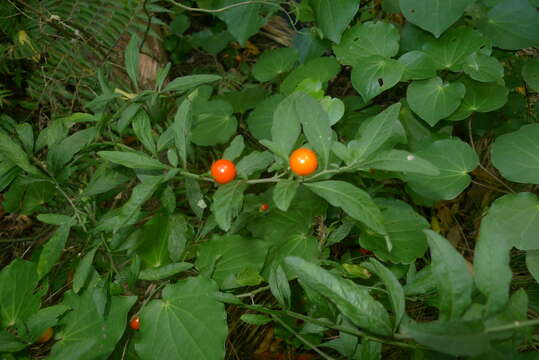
[{"x": 125, "y": 186}]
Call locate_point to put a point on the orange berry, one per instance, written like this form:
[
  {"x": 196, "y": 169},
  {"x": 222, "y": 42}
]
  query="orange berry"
[
  {"x": 223, "y": 171},
  {"x": 365, "y": 251},
  {"x": 264, "y": 207},
  {"x": 46, "y": 336},
  {"x": 135, "y": 323},
  {"x": 303, "y": 161}
]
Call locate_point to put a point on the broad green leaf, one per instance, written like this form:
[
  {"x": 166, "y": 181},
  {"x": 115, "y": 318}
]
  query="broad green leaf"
[
  {"x": 454, "y": 159},
  {"x": 480, "y": 97},
  {"x": 104, "y": 179},
  {"x": 434, "y": 100},
  {"x": 227, "y": 203},
  {"x": 126, "y": 116},
  {"x": 354, "y": 201},
  {"x": 279, "y": 286},
  {"x": 352, "y": 300},
  {"x": 367, "y": 39},
  {"x": 404, "y": 229},
  {"x": 286, "y": 126},
  {"x": 132, "y": 59},
  {"x": 55, "y": 219},
  {"x": 182, "y": 128},
  {"x": 512, "y": 25},
  {"x": 224, "y": 258},
  {"x": 374, "y": 74},
  {"x": 254, "y": 319},
  {"x": 516, "y": 155},
  {"x": 18, "y": 299},
  {"x": 177, "y": 236},
  {"x": 417, "y": 66},
  {"x": 83, "y": 270},
  {"x": 194, "y": 196},
  {"x": 396, "y": 293},
  {"x": 334, "y": 107},
  {"x": 132, "y": 160},
  {"x": 332, "y": 17},
  {"x": 43, "y": 319},
  {"x": 243, "y": 21},
  {"x": 85, "y": 334},
  {"x": 375, "y": 132},
  {"x": 284, "y": 192},
  {"x": 187, "y": 323},
  {"x": 483, "y": 68},
  {"x": 10, "y": 343},
  {"x": 215, "y": 124},
  {"x": 52, "y": 250},
  {"x": 457, "y": 338},
  {"x": 532, "y": 262},
  {"x": 515, "y": 218},
  {"x": 185, "y": 83},
  {"x": 435, "y": 16},
  {"x": 260, "y": 120},
  {"x": 245, "y": 99},
  {"x": 492, "y": 272},
  {"x": 316, "y": 127},
  {"x": 413, "y": 37},
  {"x": 165, "y": 271},
  {"x": 25, "y": 133},
  {"x": 530, "y": 74},
  {"x": 234, "y": 150},
  {"x": 61, "y": 153},
  {"x": 424, "y": 282},
  {"x": 454, "y": 281},
  {"x": 273, "y": 63},
  {"x": 255, "y": 161},
  {"x": 451, "y": 50},
  {"x": 14, "y": 153},
  {"x": 8, "y": 173},
  {"x": 515, "y": 312},
  {"x": 320, "y": 69},
  {"x": 142, "y": 128},
  {"x": 153, "y": 241},
  {"x": 400, "y": 161}
]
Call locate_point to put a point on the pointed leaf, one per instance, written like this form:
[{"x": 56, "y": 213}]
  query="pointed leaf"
[
  {"x": 132, "y": 160},
  {"x": 284, "y": 192},
  {"x": 227, "y": 203},
  {"x": 52, "y": 250},
  {"x": 273, "y": 63},
  {"x": 333, "y": 17}
]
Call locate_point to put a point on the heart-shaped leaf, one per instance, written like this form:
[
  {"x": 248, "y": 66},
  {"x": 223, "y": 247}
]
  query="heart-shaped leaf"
[{"x": 373, "y": 75}]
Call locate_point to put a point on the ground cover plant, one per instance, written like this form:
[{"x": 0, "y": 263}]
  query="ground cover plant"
[{"x": 315, "y": 179}]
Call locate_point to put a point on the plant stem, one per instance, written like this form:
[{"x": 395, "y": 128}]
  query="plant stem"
[
  {"x": 254, "y": 292},
  {"x": 512, "y": 326},
  {"x": 225, "y": 8}
]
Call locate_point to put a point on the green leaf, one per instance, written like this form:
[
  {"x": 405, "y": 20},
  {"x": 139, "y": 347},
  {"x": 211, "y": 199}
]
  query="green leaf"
[
  {"x": 52, "y": 250},
  {"x": 55, "y": 219},
  {"x": 284, "y": 192},
  {"x": 25, "y": 133},
  {"x": 132, "y": 160},
  {"x": 227, "y": 203},
  {"x": 532, "y": 263},
  {"x": 260, "y": 120},
  {"x": 374, "y": 74},
  {"x": 512, "y": 25},
  {"x": 255, "y": 161},
  {"x": 452, "y": 49},
  {"x": 177, "y": 237},
  {"x": 530, "y": 74},
  {"x": 417, "y": 66},
  {"x": 245, "y": 99},
  {"x": 273, "y": 63},
  {"x": 454, "y": 281},
  {"x": 316, "y": 127},
  {"x": 435, "y": 16},
  {"x": 153, "y": 239},
  {"x": 355, "y": 202},
  {"x": 85, "y": 334},
  {"x": 352, "y": 300},
  {"x": 142, "y": 128},
  {"x": 83, "y": 270},
  {"x": 400, "y": 161},
  {"x": 105, "y": 179},
  {"x": 492, "y": 272},
  {"x": 14, "y": 153},
  {"x": 333, "y": 17},
  {"x": 396, "y": 293},
  {"x": 18, "y": 300},
  {"x": 61, "y": 153},
  {"x": 185, "y": 83},
  {"x": 367, "y": 39},
  {"x": 483, "y": 68},
  {"x": 515, "y": 218},
  {"x": 480, "y": 97},
  {"x": 454, "y": 159},
  {"x": 334, "y": 107},
  {"x": 457, "y": 338},
  {"x": 254, "y": 319},
  {"x": 434, "y": 100},
  {"x": 516, "y": 155},
  {"x": 214, "y": 124},
  {"x": 320, "y": 69},
  {"x": 243, "y": 21},
  {"x": 42, "y": 320},
  {"x": 187, "y": 323},
  {"x": 405, "y": 232},
  {"x": 225, "y": 257},
  {"x": 132, "y": 59},
  {"x": 375, "y": 132},
  {"x": 164, "y": 271},
  {"x": 10, "y": 343},
  {"x": 234, "y": 150},
  {"x": 279, "y": 286},
  {"x": 286, "y": 126},
  {"x": 194, "y": 196}
]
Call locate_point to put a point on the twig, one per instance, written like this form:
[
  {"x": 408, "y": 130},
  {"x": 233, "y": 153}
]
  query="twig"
[
  {"x": 225, "y": 8},
  {"x": 254, "y": 292},
  {"x": 513, "y": 326}
]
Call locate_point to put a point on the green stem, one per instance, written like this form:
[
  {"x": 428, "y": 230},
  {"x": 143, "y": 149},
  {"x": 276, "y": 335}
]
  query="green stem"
[
  {"x": 254, "y": 292},
  {"x": 512, "y": 326}
]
